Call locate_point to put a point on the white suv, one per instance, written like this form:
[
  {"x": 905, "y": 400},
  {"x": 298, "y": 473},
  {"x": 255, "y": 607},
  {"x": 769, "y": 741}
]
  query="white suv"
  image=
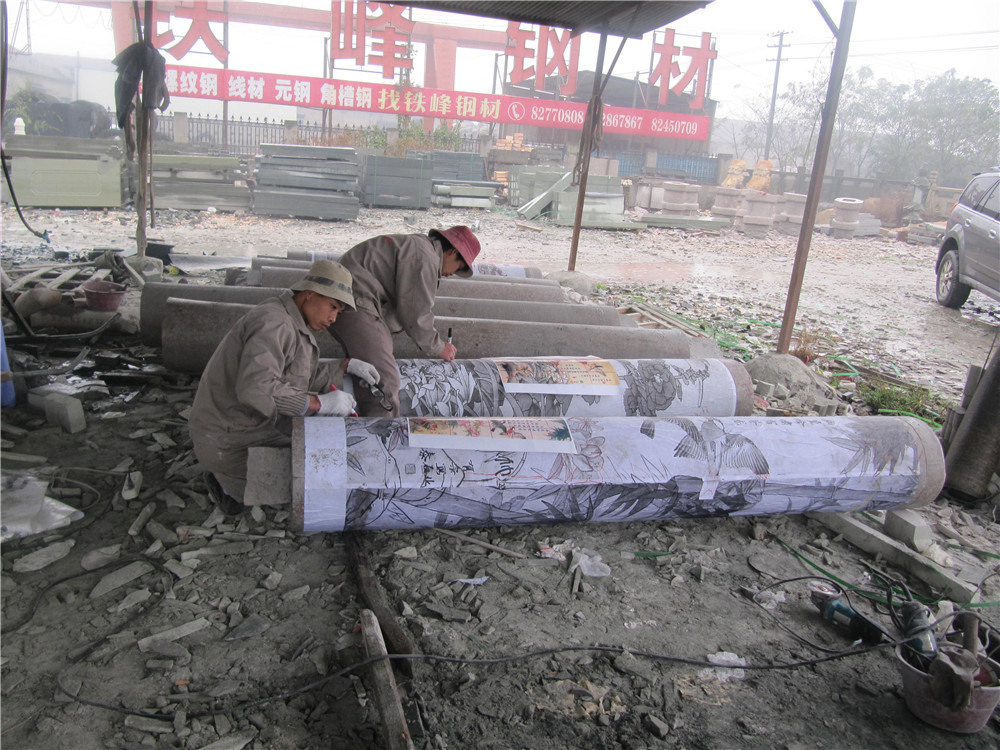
[{"x": 969, "y": 257}]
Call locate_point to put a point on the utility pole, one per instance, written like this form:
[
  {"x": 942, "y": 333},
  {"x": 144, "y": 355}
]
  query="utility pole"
[
  {"x": 774, "y": 91},
  {"x": 843, "y": 35}
]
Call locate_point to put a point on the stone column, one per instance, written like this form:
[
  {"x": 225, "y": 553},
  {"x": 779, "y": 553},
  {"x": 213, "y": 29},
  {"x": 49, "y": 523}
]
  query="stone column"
[
  {"x": 680, "y": 198},
  {"x": 518, "y": 387},
  {"x": 759, "y": 215},
  {"x": 845, "y": 217},
  {"x": 422, "y": 472},
  {"x": 729, "y": 203},
  {"x": 790, "y": 220}
]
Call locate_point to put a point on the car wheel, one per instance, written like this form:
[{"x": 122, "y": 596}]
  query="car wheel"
[{"x": 950, "y": 291}]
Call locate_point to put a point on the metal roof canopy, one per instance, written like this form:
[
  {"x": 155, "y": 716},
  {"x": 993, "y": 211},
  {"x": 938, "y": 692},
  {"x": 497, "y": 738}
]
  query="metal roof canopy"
[{"x": 625, "y": 19}]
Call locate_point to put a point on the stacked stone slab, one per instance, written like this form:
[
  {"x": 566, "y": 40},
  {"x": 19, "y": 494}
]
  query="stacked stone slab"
[
  {"x": 790, "y": 219},
  {"x": 759, "y": 216},
  {"x": 463, "y": 195},
  {"x": 729, "y": 204},
  {"x": 868, "y": 226},
  {"x": 193, "y": 182},
  {"x": 395, "y": 182},
  {"x": 603, "y": 205},
  {"x": 528, "y": 183},
  {"x": 315, "y": 182},
  {"x": 845, "y": 217}
]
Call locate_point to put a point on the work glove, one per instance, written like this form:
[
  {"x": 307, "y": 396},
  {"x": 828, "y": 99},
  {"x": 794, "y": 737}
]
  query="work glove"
[
  {"x": 336, "y": 404},
  {"x": 361, "y": 369}
]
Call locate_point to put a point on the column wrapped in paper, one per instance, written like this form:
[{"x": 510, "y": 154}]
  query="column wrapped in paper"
[
  {"x": 422, "y": 472},
  {"x": 575, "y": 387}
]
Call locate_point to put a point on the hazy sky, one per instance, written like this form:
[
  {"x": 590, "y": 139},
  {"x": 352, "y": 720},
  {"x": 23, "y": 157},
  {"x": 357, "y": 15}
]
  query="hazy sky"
[{"x": 901, "y": 40}]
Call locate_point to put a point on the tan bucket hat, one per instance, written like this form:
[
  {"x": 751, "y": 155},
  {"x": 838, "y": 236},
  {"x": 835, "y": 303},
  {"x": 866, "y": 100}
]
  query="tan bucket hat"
[{"x": 329, "y": 279}]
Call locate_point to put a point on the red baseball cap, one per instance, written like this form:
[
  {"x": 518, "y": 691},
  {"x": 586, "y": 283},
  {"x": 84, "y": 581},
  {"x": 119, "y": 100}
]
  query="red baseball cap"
[{"x": 464, "y": 241}]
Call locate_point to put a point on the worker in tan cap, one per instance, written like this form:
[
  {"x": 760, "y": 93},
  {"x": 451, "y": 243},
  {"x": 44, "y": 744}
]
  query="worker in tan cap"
[
  {"x": 267, "y": 370},
  {"x": 395, "y": 281}
]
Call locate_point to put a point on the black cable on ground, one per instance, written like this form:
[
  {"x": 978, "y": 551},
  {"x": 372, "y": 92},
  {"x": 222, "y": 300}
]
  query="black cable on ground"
[{"x": 3, "y": 106}]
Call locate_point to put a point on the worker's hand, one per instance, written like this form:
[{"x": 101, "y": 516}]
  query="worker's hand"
[
  {"x": 336, "y": 404},
  {"x": 449, "y": 352},
  {"x": 364, "y": 370}
]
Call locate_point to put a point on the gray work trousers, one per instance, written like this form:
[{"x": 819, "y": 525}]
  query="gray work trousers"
[
  {"x": 366, "y": 337},
  {"x": 225, "y": 455}
]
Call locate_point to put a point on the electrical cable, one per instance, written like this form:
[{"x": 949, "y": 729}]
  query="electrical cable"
[
  {"x": 784, "y": 627},
  {"x": 3, "y": 105},
  {"x": 598, "y": 648}
]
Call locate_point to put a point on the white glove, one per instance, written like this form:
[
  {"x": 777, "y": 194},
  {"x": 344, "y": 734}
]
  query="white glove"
[
  {"x": 361, "y": 369},
  {"x": 336, "y": 404}
]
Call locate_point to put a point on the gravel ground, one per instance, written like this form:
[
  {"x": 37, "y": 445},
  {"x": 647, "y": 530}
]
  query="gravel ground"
[{"x": 272, "y": 616}]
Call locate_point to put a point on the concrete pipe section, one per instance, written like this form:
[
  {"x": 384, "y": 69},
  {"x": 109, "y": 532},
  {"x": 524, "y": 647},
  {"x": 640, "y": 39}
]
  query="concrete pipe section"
[
  {"x": 493, "y": 289},
  {"x": 423, "y": 472},
  {"x": 154, "y": 298},
  {"x": 193, "y": 328},
  {"x": 519, "y": 387}
]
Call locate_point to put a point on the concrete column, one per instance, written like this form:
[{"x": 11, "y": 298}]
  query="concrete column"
[
  {"x": 413, "y": 473},
  {"x": 152, "y": 307},
  {"x": 193, "y": 328},
  {"x": 509, "y": 274},
  {"x": 492, "y": 289},
  {"x": 518, "y": 387},
  {"x": 483, "y": 269}
]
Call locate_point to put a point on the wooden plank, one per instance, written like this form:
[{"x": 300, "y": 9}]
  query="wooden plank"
[
  {"x": 395, "y": 730},
  {"x": 63, "y": 278},
  {"x": 648, "y": 316},
  {"x": 28, "y": 278},
  {"x": 875, "y": 542}
]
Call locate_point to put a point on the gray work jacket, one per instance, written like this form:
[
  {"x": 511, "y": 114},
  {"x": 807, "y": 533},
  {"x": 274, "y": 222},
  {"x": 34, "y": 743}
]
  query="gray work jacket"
[
  {"x": 396, "y": 278},
  {"x": 261, "y": 375}
]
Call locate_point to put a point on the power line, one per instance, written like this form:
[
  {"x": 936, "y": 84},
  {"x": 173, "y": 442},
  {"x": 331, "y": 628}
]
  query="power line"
[
  {"x": 855, "y": 54},
  {"x": 774, "y": 92},
  {"x": 909, "y": 38}
]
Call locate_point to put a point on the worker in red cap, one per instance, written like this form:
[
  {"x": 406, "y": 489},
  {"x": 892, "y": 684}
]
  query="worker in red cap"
[{"x": 395, "y": 281}]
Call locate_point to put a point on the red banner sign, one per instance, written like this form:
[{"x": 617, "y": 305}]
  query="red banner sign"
[{"x": 325, "y": 93}]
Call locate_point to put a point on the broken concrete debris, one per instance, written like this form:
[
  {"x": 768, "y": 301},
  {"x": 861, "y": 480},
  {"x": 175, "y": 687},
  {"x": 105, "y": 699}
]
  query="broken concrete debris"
[{"x": 282, "y": 611}]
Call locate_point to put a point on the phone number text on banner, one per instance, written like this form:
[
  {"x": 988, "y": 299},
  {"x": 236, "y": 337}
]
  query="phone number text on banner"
[{"x": 325, "y": 93}]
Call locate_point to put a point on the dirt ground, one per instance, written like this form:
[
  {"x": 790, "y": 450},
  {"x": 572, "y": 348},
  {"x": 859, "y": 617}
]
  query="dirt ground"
[{"x": 521, "y": 653}]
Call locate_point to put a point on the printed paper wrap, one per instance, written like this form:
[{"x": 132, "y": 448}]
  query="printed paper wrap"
[
  {"x": 358, "y": 473},
  {"x": 574, "y": 386}
]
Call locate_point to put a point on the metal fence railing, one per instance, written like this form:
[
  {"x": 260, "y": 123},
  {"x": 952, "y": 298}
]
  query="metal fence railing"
[{"x": 243, "y": 137}]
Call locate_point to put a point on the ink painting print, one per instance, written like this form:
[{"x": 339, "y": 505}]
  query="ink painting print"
[
  {"x": 541, "y": 435},
  {"x": 592, "y": 377},
  {"x": 422, "y": 472}
]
